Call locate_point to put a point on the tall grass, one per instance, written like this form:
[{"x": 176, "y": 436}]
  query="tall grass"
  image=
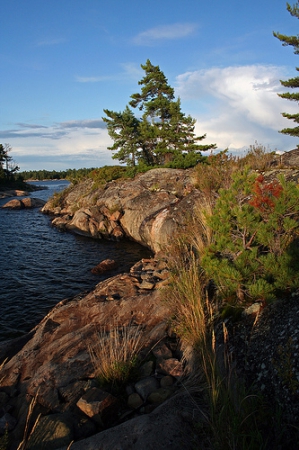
[
  {"x": 232, "y": 413},
  {"x": 115, "y": 354}
]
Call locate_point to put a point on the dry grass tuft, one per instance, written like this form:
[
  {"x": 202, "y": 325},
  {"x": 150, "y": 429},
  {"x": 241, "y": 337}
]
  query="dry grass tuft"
[{"x": 115, "y": 355}]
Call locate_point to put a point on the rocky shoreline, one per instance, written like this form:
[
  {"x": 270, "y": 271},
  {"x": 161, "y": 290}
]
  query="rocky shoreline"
[{"x": 52, "y": 365}]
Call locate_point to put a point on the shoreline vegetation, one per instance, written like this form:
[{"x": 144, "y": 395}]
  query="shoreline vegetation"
[
  {"x": 230, "y": 296},
  {"x": 217, "y": 320}
]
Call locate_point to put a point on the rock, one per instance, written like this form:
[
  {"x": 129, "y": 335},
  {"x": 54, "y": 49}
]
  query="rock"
[
  {"x": 146, "y": 369},
  {"x": 104, "y": 266},
  {"x": 29, "y": 202},
  {"x": 146, "y": 386},
  {"x": 32, "y": 202},
  {"x": 164, "y": 428},
  {"x": 54, "y": 359},
  {"x": 72, "y": 392},
  {"x": 162, "y": 351},
  {"x": 134, "y": 401},
  {"x": 255, "y": 309},
  {"x": 131, "y": 208},
  {"x": 171, "y": 366},
  {"x": 98, "y": 402},
  {"x": 51, "y": 432},
  {"x": 146, "y": 285},
  {"x": 12, "y": 193},
  {"x": 13, "y": 204},
  {"x": 159, "y": 396},
  {"x": 166, "y": 381}
]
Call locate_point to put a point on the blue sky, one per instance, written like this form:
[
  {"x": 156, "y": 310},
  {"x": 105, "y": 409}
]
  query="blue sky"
[{"x": 64, "y": 61}]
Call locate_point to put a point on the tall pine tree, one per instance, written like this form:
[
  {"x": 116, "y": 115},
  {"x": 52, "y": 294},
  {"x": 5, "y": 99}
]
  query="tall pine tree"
[
  {"x": 292, "y": 83},
  {"x": 163, "y": 135}
]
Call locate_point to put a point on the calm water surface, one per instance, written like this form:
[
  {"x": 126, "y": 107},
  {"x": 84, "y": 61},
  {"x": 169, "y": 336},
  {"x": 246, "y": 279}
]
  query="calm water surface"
[{"x": 40, "y": 265}]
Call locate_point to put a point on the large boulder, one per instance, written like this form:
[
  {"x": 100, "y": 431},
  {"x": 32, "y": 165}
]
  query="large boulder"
[
  {"x": 12, "y": 193},
  {"x": 149, "y": 209},
  {"x": 28, "y": 202}
]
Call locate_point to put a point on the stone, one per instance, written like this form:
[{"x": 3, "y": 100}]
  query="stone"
[
  {"x": 146, "y": 369},
  {"x": 148, "y": 216},
  {"x": 98, "y": 402},
  {"x": 255, "y": 309},
  {"x": 28, "y": 202},
  {"x": 72, "y": 392},
  {"x": 159, "y": 396},
  {"x": 13, "y": 204},
  {"x": 146, "y": 386},
  {"x": 104, "y": 266},
  {"x": 162, "y": 351},
  {"x": 146, "y": 285},
  {"x": 4, "y": 398},
  {"x": 32, "y": 202},
  {"x": 55, "y": 354},
  {"x": 51, "y": 432},
  {"x": 166, "y": 381},
  {"x": 171, "y": 366},
  {"x": 134, "y": 401},
  {"x": 164, "y": 428}
]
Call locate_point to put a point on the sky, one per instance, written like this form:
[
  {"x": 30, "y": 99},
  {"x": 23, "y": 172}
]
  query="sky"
[{"x": 64, "y": 61}]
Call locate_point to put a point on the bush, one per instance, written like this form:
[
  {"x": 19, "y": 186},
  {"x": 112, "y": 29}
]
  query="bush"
[
  {"x": 255, "y": 253},
  {"x": 258, "y": 157},
  {"x": 215, "y": 173},
  {"x": 108, "y": 173}
]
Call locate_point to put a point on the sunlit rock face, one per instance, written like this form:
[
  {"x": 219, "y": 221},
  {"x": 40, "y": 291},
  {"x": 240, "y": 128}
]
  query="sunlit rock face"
[{"x": 149, "y": 209}]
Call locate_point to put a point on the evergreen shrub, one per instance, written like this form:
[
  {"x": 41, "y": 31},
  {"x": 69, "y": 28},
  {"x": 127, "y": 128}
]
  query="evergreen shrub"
[{"x": 254, "y": 254}]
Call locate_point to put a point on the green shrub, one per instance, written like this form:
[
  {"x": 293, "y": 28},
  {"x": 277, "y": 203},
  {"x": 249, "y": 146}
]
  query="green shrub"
[
  {"x": 255, "y": 250},
  {"x": 108, "y": 173},
  {"x": 215, "y": 173}
]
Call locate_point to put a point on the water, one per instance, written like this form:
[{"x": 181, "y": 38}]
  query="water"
[{"x": 40, "y": 265}]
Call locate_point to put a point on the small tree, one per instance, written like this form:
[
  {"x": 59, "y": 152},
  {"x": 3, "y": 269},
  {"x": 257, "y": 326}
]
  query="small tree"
[
  {"x": 254, "y": 254},
  {"x": 7, "y": 165},
  {"x": 292, "y": 82}
]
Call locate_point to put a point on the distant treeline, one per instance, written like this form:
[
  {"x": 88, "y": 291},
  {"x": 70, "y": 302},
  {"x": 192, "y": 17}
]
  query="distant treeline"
[{"x": 69, "y": 174}]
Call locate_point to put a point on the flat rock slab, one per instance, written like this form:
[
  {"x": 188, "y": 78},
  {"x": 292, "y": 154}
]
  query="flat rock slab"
[{"x": 167, "y": 427}]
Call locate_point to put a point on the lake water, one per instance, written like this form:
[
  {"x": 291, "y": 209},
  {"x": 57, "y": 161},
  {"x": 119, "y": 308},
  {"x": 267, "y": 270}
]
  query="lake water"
[{"x": 40, "y": 265}]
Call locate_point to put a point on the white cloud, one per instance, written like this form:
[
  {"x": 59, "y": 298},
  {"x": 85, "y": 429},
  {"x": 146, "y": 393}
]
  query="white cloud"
[
  {"x": 164, "y": 32},
  {"x": 236, "y": 106},
  {"x": 75, "y": 144}
]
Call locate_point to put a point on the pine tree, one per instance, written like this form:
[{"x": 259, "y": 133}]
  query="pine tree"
[
  {"x": 254, "y": 254},
  {"x": 7, "y": 165},
  {"x": 155, "y": 101},
  {"x": 168, "y": 135},
  {"x": 163, "y": 135},
  {"x": 293, "y": 83},
  {"x": 123, "y": 128}
]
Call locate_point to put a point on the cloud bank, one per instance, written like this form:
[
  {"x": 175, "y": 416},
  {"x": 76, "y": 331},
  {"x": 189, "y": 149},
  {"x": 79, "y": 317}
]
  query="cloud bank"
[
  {"x": 236, "y": 106},
  {"x": 69, "y": 144}
]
